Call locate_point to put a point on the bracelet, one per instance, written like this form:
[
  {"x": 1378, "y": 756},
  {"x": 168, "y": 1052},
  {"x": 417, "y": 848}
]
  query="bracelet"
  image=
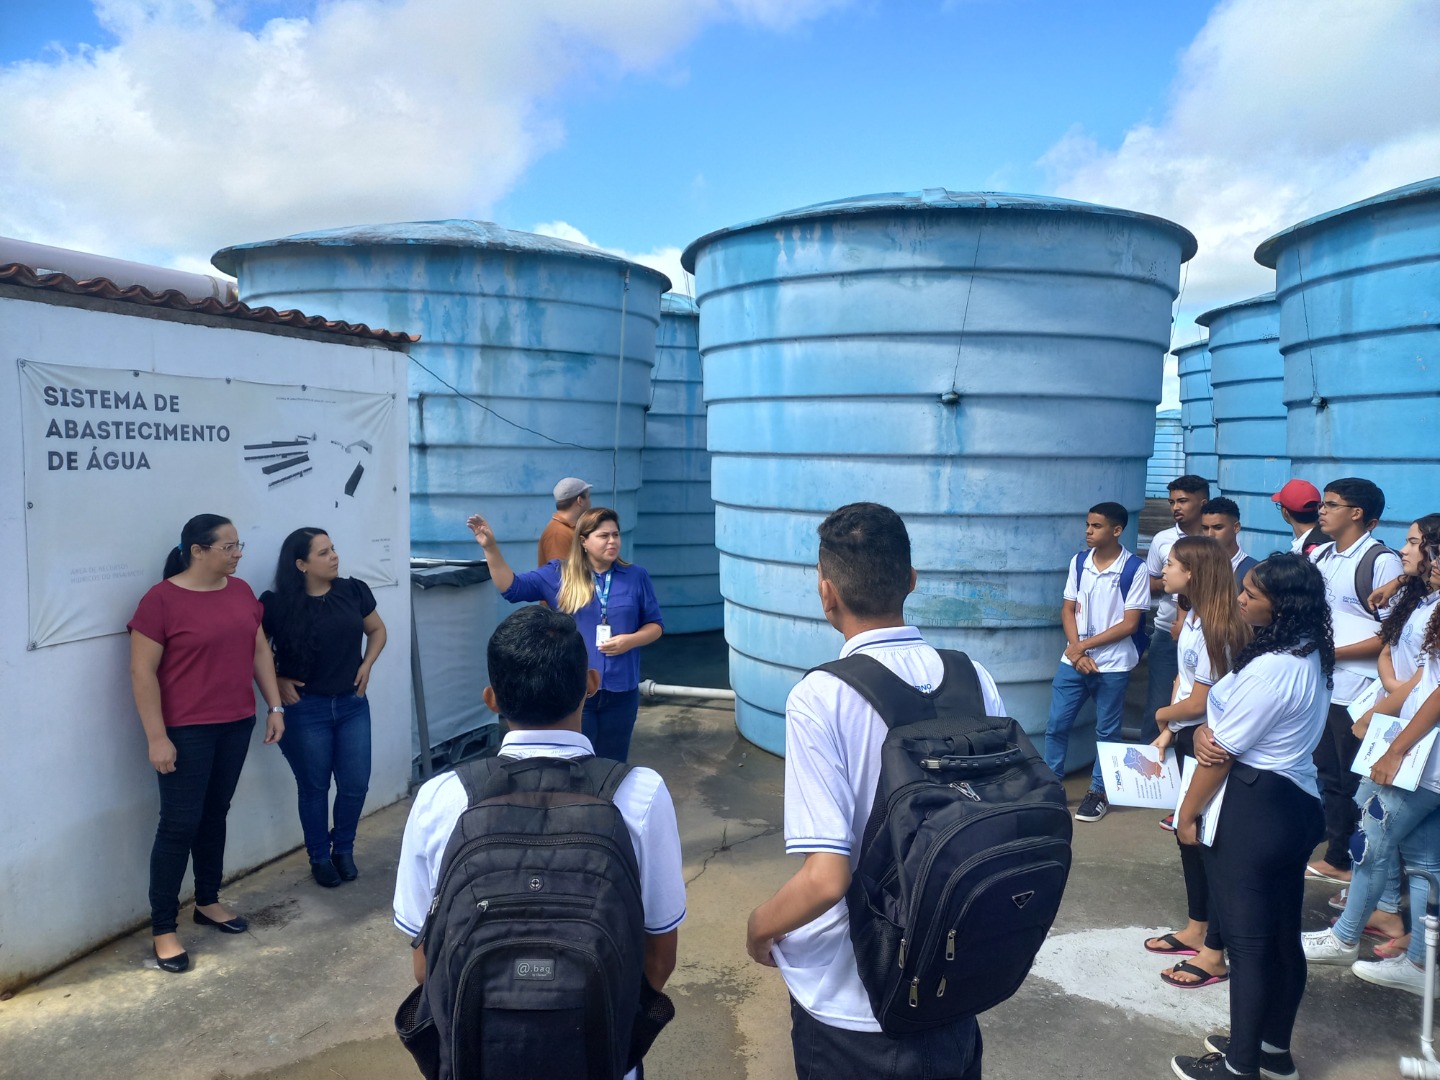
[{"x": 277, "y": 708}]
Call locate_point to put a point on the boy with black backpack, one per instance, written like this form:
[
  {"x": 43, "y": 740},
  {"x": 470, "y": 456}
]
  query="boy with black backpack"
[
  {"x": 898, "y": 748},
  {"x": 542, "y": 889}
]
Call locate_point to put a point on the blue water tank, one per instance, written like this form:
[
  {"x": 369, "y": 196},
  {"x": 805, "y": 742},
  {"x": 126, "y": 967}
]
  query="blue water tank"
[
  {"x": 1247, "y": 377},
  {"x": 1197, "y": 410},
  {"x": 675, "y": 529},
  {"x": 1359, "y": 293},
  {"x": 1168, "y": 459},
  {"x": 514, "y": 382},
  {"x": 987, "y": 365}
]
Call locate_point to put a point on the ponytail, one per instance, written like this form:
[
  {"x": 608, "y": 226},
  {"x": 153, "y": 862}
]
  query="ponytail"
[{"x": 201, "y": 530}]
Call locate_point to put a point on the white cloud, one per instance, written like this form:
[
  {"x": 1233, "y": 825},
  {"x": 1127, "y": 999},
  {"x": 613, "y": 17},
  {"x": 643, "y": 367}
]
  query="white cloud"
[
  {"x": 664, "y": 259},
  {"x": 1280, "y": 110},
  {"x": 192, "y": 132}
]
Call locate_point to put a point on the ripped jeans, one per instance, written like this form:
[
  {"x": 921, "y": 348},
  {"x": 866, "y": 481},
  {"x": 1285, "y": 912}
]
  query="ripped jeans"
[{"x": 1394, "y": 823}]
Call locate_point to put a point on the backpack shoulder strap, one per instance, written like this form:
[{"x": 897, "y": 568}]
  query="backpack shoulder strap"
[
  {"x": 1077, "y": 567},
  {"x": 1133, "y": 565},
  {"x": 897, "y": 701},
  {"x": 1365, "y": 573},
  {"x": 475, "y": 775},
  {"x": 605, "y": 776}
]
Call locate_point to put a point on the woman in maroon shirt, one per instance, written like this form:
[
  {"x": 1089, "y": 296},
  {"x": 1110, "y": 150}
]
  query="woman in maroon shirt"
[{"x": 195, "y": 646}]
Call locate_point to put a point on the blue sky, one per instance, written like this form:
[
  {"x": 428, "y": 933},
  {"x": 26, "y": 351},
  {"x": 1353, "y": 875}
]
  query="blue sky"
[{"x": 161, "y": 130}]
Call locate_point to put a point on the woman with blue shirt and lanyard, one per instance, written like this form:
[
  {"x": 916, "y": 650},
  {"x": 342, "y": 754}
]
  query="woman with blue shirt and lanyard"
[
  {"x": 614, "y": 606},
  {"x": 1263, "y": 721}
]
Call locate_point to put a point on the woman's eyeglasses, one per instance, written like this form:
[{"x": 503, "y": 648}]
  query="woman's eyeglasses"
[{"x": 229, "y": 549}]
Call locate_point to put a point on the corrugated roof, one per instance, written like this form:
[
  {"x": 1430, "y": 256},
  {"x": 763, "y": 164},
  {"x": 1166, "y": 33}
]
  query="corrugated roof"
[{"x": 105, "y": 289}]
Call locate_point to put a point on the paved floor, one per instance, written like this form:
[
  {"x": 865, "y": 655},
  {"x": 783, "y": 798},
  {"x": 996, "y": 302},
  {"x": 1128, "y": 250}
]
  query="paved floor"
[{"x": 309, "y": 992}]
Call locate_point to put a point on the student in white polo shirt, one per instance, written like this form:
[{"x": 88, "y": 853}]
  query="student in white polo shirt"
[
  {"x": 832, "y": 769},
  {"x": 539, "y": 683},
  {"x": 1299, "y": 504},
  {"x": 1101, "y": 612},
  {"x": 1220, "y": 520},
  {"x": 1353, "y": 564},
  {"x": 1187, "y": 495}
]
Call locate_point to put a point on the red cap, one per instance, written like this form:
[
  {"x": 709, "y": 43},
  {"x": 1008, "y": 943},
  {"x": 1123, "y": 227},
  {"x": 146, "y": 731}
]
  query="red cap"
[{"x": 1297, "y": 495}]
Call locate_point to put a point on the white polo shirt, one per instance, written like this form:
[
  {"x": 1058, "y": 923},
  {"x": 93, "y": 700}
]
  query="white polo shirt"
[
  {"x": 1168, "y": 610},
  {"x": 1271, "y": 715},
  {"x": 1338, "y": 569},
  {"x": 832, "y": 770},
  {"x": 1099, "y": 605},
  {"x": 642, "y": 799},
  {"x": 1405, "y": 655},
  {"x": 1194, "y": 666}
]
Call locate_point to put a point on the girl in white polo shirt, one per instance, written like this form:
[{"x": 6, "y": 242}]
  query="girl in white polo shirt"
[
  {"x": 1263, "y": 721},
  {"x": 1211, "y": 633},
  {"x": 1396, "y": 822}
]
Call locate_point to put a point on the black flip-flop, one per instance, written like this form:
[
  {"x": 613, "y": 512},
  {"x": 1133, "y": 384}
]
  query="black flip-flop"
[
  {"x": 1206, "y": 978},
  {"x": 1173, "y": 946}
]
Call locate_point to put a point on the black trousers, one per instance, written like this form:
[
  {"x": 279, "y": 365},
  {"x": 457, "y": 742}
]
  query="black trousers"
[
  {"x": 823, "y": 1052},
  {"x": 1192, "y": 861},
  {"x": 1333, "y": 757},
  {"x": 1268, "y": 827},
  {"x": 194, "y": 800}
]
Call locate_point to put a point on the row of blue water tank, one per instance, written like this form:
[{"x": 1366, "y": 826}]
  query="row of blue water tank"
[
  {"x": 1332, "y": 374},
  {"x": 987, "y": 365}
]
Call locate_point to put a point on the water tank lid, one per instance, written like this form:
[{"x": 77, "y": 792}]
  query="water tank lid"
[
  {"x": 942, "y": 199},
  {"x": 1202, "y": 343},
  {"x": 678, "y": 304},
  {"x": 452, "y": 232},
  {"x": 1268, "y": 253},
  {"x": 1214, "y": 313},
  {"x": 1168, "y": 414}
]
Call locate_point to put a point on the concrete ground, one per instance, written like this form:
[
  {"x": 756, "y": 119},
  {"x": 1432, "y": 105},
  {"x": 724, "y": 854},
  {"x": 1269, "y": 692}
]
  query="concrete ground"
[{"x": 309, "y": 993}]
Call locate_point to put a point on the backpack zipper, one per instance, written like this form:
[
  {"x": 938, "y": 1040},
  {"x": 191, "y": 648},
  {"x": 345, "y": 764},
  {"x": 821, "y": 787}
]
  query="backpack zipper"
[{"x": 523, "y": 840}]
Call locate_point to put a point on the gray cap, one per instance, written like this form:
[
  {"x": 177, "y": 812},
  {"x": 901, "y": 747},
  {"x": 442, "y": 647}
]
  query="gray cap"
[{"x": 568, "y": 488}]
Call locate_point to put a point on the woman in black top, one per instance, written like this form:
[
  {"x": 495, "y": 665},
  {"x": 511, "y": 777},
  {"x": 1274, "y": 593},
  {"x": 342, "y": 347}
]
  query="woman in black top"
[{"x": 316, "y": 620}]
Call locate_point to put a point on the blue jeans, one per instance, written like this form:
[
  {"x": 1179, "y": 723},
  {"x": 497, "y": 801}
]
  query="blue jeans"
[
  {"x": 1162, "y": 661},
  {"x": 609, "y": 720},
  {"x": 1394, "y": 823},
  {"x": 324, "y": 737},
  {"x": 194, "y": 800},
  {"x": 1068, "y": 692}
]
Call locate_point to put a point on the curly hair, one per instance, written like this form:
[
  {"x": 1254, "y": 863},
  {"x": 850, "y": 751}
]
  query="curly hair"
[
  {"x": 1412, "y": 589},
  {"x": 1300, "y": 622}
]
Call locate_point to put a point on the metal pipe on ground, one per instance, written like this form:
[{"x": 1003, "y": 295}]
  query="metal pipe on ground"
[{"x": 650, "y": 688}]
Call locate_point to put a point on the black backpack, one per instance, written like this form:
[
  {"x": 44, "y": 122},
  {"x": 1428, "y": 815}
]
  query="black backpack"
[
  {"x": 1133, "y": 565},
  {"x": 1364, "y": 570},
  {"x": 534, "y": 943},
  {"x": 964, "y": 858}
]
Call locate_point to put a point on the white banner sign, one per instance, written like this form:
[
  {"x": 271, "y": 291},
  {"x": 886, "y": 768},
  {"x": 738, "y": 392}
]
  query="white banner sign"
[{"x": 116, "y": 461}]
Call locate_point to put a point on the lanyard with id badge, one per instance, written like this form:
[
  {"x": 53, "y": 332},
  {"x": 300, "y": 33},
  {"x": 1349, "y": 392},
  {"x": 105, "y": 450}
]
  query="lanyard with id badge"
[{"x": 602, "y": 591}]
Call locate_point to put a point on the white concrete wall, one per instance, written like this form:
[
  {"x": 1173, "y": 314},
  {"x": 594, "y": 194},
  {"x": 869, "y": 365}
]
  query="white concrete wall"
[{"x": 78, "y": 798}]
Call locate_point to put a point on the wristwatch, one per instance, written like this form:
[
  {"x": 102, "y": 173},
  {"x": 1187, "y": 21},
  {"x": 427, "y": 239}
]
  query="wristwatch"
[{"x": 277, "y": 708}]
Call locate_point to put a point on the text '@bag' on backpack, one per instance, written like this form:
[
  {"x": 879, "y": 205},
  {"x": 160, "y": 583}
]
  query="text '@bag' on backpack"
[
  {"x": 534, "y": 944},
  {"x": 964, "y": 858}
]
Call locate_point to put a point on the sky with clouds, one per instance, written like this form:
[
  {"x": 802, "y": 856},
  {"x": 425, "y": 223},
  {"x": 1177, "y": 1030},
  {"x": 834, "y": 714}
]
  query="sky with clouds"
[{"x": 162, "y": 130}]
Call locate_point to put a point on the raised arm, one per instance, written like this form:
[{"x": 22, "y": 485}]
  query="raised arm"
[{"x": 500, "y": 571}]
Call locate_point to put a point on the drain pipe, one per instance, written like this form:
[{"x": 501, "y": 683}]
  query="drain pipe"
[{"x": 650, "y": 688}]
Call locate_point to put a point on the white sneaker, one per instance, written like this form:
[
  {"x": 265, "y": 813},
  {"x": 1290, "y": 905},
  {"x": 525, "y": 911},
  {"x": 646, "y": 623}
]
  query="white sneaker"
[
  {"x": 1323, "y": 947},
  {"x": 1397, "y": 972}
]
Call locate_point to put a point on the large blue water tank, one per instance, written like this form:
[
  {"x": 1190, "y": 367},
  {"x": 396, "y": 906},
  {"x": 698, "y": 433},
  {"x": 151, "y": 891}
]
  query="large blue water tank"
[
  {"x": 1197, "y": 410},
  {"x": 1168, "y": 460},
  {"x": 1359, "y": 293},
  {"x": 514, "y": 382},
  {"x": 1247, "y": 378},
  {"x": 675, "y": 529},
  {"x": 987, "y": 365}
]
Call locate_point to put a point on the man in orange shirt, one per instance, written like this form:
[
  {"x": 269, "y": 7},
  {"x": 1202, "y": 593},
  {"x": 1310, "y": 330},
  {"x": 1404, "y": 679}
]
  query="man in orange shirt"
[{"x": 572, "y": 498}]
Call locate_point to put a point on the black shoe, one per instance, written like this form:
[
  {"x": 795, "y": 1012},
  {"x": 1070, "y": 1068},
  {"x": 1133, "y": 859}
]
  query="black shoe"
[
  {"x": 237, "y": 925},
  {"x": 173, "y": 964},
  {"x": 325, "y": 874},
  {"x": 1209, "y": 1067},
  {"x": 344, "y": 864},
  {"x": 1093, "y": 807},
  {"x": 1272, "y": 1066}
]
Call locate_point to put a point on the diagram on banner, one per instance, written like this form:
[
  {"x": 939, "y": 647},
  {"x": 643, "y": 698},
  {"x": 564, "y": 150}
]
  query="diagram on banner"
[{"x": 290, "y": 459}]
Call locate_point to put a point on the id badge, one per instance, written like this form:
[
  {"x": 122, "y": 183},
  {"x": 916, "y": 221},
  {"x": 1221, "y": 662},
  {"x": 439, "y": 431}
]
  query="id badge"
[{"x": 602, "y": 634}]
